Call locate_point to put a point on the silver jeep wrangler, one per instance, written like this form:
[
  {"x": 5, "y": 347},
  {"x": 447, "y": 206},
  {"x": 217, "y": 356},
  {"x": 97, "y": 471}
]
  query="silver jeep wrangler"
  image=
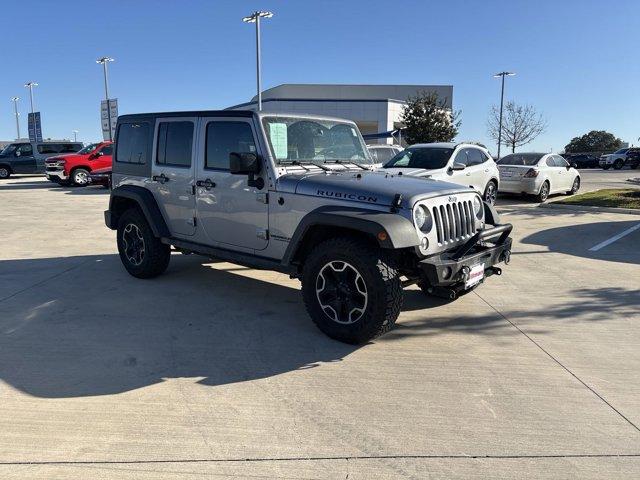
[{"x": 297, "y": 194}]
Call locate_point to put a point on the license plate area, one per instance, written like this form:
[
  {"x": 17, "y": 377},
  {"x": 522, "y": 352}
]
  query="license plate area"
[{"x": 476, "y": 275}]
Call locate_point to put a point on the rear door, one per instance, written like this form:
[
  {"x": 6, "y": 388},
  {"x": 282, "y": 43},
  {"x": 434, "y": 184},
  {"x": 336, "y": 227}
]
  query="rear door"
[
  {"x": 173, "y": 172},
  {"x": 476, "y": 171},
  {"x": 232, "y": 214},
  {"x": 566, "y": 178}
]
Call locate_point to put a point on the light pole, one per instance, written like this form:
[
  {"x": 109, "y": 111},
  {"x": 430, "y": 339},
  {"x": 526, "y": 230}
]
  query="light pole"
[
  {"x": 255, "y": 18},
  {"x": 30, "y": 86},
  {"x": 104, "y": 61},
  {"x": 501, "y": 74},
  {"x": 15, "y": 109},
  {"x": 75, "y": 135}
]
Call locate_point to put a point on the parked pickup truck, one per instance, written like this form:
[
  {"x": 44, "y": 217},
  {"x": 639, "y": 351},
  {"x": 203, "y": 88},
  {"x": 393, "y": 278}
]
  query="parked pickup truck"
[{"x": 75, "y": 168}]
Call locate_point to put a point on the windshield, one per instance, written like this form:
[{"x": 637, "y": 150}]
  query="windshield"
[
  {"x": 294, "y": 139},
  {"x": 622, "y": 150},
  {"x": 429, "y": 158},
  {"x": 526, "y": 159},
  {"x": 88, "y": 148},
  {"x": 8, "y": 149}
]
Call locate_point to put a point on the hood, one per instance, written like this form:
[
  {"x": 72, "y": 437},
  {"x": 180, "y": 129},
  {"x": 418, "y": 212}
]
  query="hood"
[
  {"x": 379, "y": 188},
  {"x": 437, "y": 174},
  {"x": 65, "y": 156}
]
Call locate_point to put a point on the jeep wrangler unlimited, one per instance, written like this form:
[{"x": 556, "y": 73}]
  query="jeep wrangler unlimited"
[{"x": 297, "y": 194}]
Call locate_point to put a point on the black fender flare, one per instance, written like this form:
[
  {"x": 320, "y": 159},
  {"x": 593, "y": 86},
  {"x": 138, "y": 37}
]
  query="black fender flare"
[
  {"x": 145, "y": 201},
  {"x": 390, "y": 230}
]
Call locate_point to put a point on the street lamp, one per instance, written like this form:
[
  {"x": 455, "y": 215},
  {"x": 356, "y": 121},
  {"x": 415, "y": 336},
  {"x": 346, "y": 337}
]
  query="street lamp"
[
  {"x": 255, "y": 18},
  {"x": 104, "y": 61},
  {"x": 75, "y": 135},
  {"x": 501, "y": 74},
  {"x": 30, "y": 86},
  {"x": 15, "y": 109}
]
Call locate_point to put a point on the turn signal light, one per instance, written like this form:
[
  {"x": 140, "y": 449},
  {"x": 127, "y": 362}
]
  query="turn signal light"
[{"x": 531, "y": 173}]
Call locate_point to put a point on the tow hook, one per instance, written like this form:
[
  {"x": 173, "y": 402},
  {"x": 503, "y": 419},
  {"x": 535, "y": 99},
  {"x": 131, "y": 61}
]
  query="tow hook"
[
  {"x": 506, "y": 257},
  {"x": 493, "y": 271}
]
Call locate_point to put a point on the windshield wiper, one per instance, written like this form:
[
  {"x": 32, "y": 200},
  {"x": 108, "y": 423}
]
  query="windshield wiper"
[
  {"x": 340, "y": 162},
  {"x": 298, "y": 163}
]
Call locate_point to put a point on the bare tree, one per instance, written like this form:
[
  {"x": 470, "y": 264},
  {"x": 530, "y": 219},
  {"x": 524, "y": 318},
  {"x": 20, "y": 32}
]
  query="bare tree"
[{"x": 521, "y": 124}]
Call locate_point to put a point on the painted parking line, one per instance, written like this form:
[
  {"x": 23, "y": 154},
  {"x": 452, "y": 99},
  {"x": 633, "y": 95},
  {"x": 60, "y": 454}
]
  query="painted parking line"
[{"x": 615, "y": 238}]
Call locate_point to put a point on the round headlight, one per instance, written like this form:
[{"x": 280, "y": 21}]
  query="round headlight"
[
  {"x": 477, "y": 207},
  {"x": 422, "y": 218}
]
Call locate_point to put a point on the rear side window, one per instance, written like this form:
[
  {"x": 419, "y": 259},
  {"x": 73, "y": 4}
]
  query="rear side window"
[
  {"x": 108, "y": 150},
  {"x": 175, "y": 141},
  {"x": 48, "y": 148},
  {"x": 224, "y": 138},
  {"x": 69, "y": 148},
  {"x": 132, "y": 143}
]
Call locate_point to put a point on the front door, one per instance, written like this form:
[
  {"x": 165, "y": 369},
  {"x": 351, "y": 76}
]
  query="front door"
[
  {"x": 173, "y": 172},
  {"x": 462, "y": 177},
  {"x": 24, "y": 161},
  {"x": 232, "y": 213}
]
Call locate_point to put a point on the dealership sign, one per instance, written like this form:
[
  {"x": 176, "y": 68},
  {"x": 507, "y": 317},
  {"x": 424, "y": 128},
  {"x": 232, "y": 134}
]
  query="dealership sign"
[
  {"x": 109, "y": 112},
  {"x": 35, "y": 127}
]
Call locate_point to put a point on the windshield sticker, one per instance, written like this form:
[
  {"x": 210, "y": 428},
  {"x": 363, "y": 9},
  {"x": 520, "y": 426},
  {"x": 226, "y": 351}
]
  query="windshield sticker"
[
  {"x": 353, "y": 132},
  {"x": 278, "y": 137}
]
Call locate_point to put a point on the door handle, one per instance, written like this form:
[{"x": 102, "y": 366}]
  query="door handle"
[
  {"x": 162, "y": 178},
  {"x": 468, "y": 174},
  {"x": 486, "y": 170},
  {"x": 207, "y": 184}
]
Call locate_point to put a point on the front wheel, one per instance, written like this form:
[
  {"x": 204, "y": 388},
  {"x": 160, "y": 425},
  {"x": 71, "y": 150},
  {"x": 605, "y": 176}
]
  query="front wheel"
[
  {"x": 575, "y": 186},
  {"x": 618, "y": 164},
  {"x": 351, "y": 290},
  {"x": 4, "y": 172},
  {"x": 491, "y": 193},
  {"x": 80, "y": 177},
  {"x": 141, "y": 253}
]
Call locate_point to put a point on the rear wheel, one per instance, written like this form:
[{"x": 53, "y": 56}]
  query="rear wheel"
[
  {"x": 80, "y": 177},
  {"x": 575, "y": 186},
  {"x": 491, "y": 193},
  {"x": 544, "y": 192},
  {"x": 351, "y": 290},
  {"x": 141, "y": 253},
  {"x": 4, "y": 172}
]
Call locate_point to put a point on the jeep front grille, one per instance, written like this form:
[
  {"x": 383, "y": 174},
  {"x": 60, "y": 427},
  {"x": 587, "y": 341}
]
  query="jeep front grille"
[{"x": 454, "y": 221}]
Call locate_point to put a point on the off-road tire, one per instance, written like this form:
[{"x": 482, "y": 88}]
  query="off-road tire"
[
  {"x": 77, "y": 175},
  {"x": 156, "y": 255},
  {"x": 5, "y": 172},
  {"x": 543, "y": 195},
  {"x": 618, "y": 164},
  {"x": 574, "y": 187},
  {"x": 379, "y": 273},
  {"x": 606, "y": 167}
]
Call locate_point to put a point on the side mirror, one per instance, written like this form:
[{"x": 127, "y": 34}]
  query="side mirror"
[
  {"x": 574, "y": 165},
  {"x": 18, "y": 153},
  {"x": 246, "y": 164},
  {"x": 457, "y": 166},
  {"x": 96, "y": 155}
]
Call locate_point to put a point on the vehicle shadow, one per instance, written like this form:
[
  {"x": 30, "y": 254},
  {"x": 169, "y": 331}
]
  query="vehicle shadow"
[
  {"x": 41, "y": 185},
  {"x": 95, "y": 330},
  {"x": 577, "y": 239}
]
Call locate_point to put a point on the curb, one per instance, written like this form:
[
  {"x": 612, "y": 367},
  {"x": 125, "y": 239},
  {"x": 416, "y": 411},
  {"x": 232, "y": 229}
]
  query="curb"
[{"x": 591, "y": 209}]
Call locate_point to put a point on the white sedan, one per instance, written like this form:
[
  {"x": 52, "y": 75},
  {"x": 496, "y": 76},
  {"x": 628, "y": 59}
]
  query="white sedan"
[{"x": 539, "y": 174}]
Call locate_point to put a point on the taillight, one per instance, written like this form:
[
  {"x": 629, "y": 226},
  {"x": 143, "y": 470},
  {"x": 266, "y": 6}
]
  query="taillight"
[{"x": 531, "y": 173}]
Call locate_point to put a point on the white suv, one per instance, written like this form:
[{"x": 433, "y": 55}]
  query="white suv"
[{"x": 463, "y": 163}]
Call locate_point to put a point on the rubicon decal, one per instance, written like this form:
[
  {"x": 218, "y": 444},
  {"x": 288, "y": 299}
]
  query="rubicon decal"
[{"x": 348, "y": 196}]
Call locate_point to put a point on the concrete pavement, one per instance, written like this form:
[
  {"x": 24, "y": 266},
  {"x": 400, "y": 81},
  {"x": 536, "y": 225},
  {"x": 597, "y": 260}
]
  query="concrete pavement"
[{"x": 215, "y": 370}]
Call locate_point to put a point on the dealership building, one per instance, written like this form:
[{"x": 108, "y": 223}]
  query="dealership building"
[{"x": 376, "y": 109}]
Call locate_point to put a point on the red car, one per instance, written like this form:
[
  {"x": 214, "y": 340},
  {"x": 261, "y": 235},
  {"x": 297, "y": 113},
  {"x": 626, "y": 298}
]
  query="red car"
[{"x": 75, "y": 168}]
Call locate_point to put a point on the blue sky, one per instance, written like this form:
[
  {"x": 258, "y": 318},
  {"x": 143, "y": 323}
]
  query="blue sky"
[{"x": 578, "y": 62}]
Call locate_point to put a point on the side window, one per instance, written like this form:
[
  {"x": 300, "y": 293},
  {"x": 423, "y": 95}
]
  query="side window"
[
  {"x": 476, "y": 157},
  {"x": 175, "y": 141},
  {"x": 224, "y": 138},
  {"x": 48, "y": 148},
  {"x": 68, "y": 148},
  {"x": 25, "y": 149},
  {"x": 108, "y": 150},
  {"x": 462, "y": 157},
  {"x": 132, "y": 143},
  {"x": 559, "y": 161},
  {"x": 549, "y": 162}
]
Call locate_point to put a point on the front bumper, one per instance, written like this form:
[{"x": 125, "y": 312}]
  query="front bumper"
[
  {"x": 451, "y": 269},
  {"x": 56, "y": 174}
]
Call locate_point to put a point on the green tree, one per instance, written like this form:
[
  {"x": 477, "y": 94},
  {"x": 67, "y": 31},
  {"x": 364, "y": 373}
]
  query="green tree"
[
  {"x": 594, "y": 141},
  {"x": 427, "y": 119}
]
